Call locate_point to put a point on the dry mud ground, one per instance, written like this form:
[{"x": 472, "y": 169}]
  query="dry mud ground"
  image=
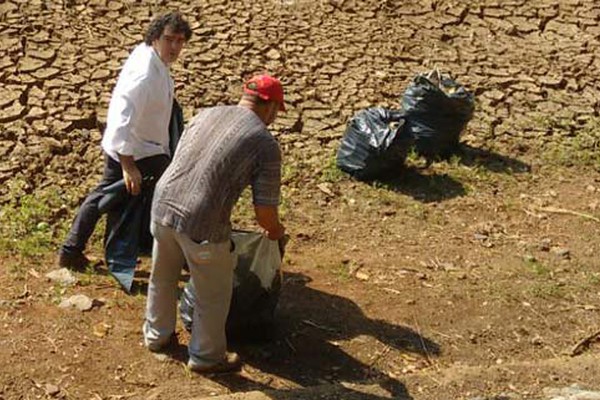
[{"x": 473, "y": 277}]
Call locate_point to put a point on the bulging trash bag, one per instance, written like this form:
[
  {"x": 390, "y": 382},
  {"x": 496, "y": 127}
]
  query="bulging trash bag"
[
  {"x": 437, "y": 109},
  {"x": 374, "y": 144},
  {"x": 256, "y": 288}
]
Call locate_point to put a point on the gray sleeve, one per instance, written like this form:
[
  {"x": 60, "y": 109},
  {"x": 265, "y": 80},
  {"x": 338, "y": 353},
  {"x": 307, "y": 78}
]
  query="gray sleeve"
[{"x": 266, "y": 184}]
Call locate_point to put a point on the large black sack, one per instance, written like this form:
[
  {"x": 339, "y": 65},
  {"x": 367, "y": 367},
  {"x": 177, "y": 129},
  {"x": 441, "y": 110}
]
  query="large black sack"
[
  {"x": 374, "y": 144},
  {"x": 437, "y": 109},
  {"x": 256, "y": 288}
]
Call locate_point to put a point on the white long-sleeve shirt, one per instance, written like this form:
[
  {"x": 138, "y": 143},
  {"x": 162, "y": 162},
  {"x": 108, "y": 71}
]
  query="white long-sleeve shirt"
[{"x": 140, "y": 107}]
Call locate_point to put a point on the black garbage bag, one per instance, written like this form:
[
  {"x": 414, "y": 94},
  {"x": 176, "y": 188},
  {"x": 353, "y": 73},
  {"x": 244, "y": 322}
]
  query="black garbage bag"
[
  {"x": 437, "y": 109},
  {"x": 374, "y": 144},
  {"x": 256, "y": 288}
]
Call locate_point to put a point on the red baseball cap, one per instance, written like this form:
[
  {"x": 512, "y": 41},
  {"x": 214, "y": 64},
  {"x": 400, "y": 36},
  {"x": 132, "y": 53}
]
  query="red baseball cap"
[{"x": 267, "y": 88}]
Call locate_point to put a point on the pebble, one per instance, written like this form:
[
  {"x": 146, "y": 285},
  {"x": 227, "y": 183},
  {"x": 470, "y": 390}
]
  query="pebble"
[
  {"x": 562, "y": 252},
  {"x": 62, "y": 276},
  {"x": 52, "y": 390},
  {"x": 571, "y": 393},
  {"x": 79, "y": 301}
]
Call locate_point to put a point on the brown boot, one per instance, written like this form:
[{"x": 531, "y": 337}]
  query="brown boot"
[{"x": 230, "y": 363}]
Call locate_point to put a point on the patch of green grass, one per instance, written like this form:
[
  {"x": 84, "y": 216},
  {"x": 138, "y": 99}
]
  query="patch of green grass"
[
  {"x": 290, "y": 172},
  {"x": 465, "y": 174},
  {"x": 543, "y": 284},
  {"x": 594, "y": 278},
  {"x": 417, "y": 211},
  {"x": 547, "y": 289},
  {"x": 330, "y": 172},
  {"x": 413, "y": 157},
  {"x": 538, "y": 268},
  {"x": 88, "y": 276},
  {"x": 342, "y": 271},
  {"x": 582, "y": 148},
  {"x": 17, "y": 269},
  {"x": 29, "y": 223},
  {"x": 58, "y": 293}
]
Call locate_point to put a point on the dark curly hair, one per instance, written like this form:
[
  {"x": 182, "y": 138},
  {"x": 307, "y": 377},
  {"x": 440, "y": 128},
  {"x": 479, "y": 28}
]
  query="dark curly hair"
[{"x": 173, "y": 19}]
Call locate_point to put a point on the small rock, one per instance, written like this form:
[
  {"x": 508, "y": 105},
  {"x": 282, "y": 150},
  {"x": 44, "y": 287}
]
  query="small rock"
[
  {"x": 529, "y": 258},
  {"x": 537, "y": 341},
  {"x": 42, "y": 226},
  {"x": 571, "y": 393},
  {"x": 480, "y": 236},
  {"x": 52, "y": 390},
  {"x": 79, "y": 301},
  {"x": 462, "y": 276},
  {"x": 101, "y": 329},
  {"x": 562, "y": 252},
  {"x": 162, "y": 357},
  {"x": 325, "y": 188},
  {"x": 62, "y": 276},
  {"x": 498, "y": 397},
  {"x": 545, "y": 245},
  {"x": 273, "y": 54},
  {"x": 362, "y": 276}
]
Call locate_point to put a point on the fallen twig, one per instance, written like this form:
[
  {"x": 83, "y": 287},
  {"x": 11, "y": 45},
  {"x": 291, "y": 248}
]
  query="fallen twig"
[
  {"x": 423, "y": 346},
  {"x": 584, "y": 344},
  {"x": 379, "y": 356},
  {"x": 556, "y": 210},
  {"x": 287, "y": 341},
  {"x": 311, "y": 323}
]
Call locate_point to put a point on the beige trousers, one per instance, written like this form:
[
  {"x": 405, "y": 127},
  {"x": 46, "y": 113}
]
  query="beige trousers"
[{"x": 211, "y": 268}]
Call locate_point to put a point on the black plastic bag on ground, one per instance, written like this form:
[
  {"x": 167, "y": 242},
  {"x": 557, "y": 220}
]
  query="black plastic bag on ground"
[
  {"x": 374, "y": 144},
  {"x": 437, "y": 109},
  {"x": 256, "y": 288}
]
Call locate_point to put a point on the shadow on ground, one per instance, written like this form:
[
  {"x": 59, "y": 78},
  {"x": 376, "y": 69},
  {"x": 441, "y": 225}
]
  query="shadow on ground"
[
  {"x": 304, "y": 348},
  {"x": 492, "y": 161},
  {"x": 427, "y": 187}
]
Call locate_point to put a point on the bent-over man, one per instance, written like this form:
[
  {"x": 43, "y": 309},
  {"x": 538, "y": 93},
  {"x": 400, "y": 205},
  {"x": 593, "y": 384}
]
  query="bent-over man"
[{"x": 223, "y": 150}]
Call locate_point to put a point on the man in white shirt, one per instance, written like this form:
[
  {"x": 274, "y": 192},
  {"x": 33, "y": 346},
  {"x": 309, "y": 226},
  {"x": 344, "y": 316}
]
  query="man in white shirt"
[{"x": 136, "y": 139}]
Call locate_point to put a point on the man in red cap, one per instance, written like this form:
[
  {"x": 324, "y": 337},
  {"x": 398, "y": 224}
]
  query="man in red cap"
[{"x": 222, "y": 151}]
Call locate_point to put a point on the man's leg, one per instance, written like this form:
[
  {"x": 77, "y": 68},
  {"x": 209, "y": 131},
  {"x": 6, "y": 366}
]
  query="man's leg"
[
  {"x": 211, "y": 266},
  {"x": 71, "y": 252},
  {"x": 161, "y": 309},
  {"x": 152, "y": 166},
  {"x": 128, "y": 226}
]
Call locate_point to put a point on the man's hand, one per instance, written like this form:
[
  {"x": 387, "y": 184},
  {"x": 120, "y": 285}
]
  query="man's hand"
[
  {"x": 276, "y": 233},
  {"x": 268, "y": 219},
  {"x": 131, "y": 175}
]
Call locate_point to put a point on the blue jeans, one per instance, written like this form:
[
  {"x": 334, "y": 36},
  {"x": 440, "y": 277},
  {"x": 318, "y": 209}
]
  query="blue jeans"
[{"x": 88, "y": 215}]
